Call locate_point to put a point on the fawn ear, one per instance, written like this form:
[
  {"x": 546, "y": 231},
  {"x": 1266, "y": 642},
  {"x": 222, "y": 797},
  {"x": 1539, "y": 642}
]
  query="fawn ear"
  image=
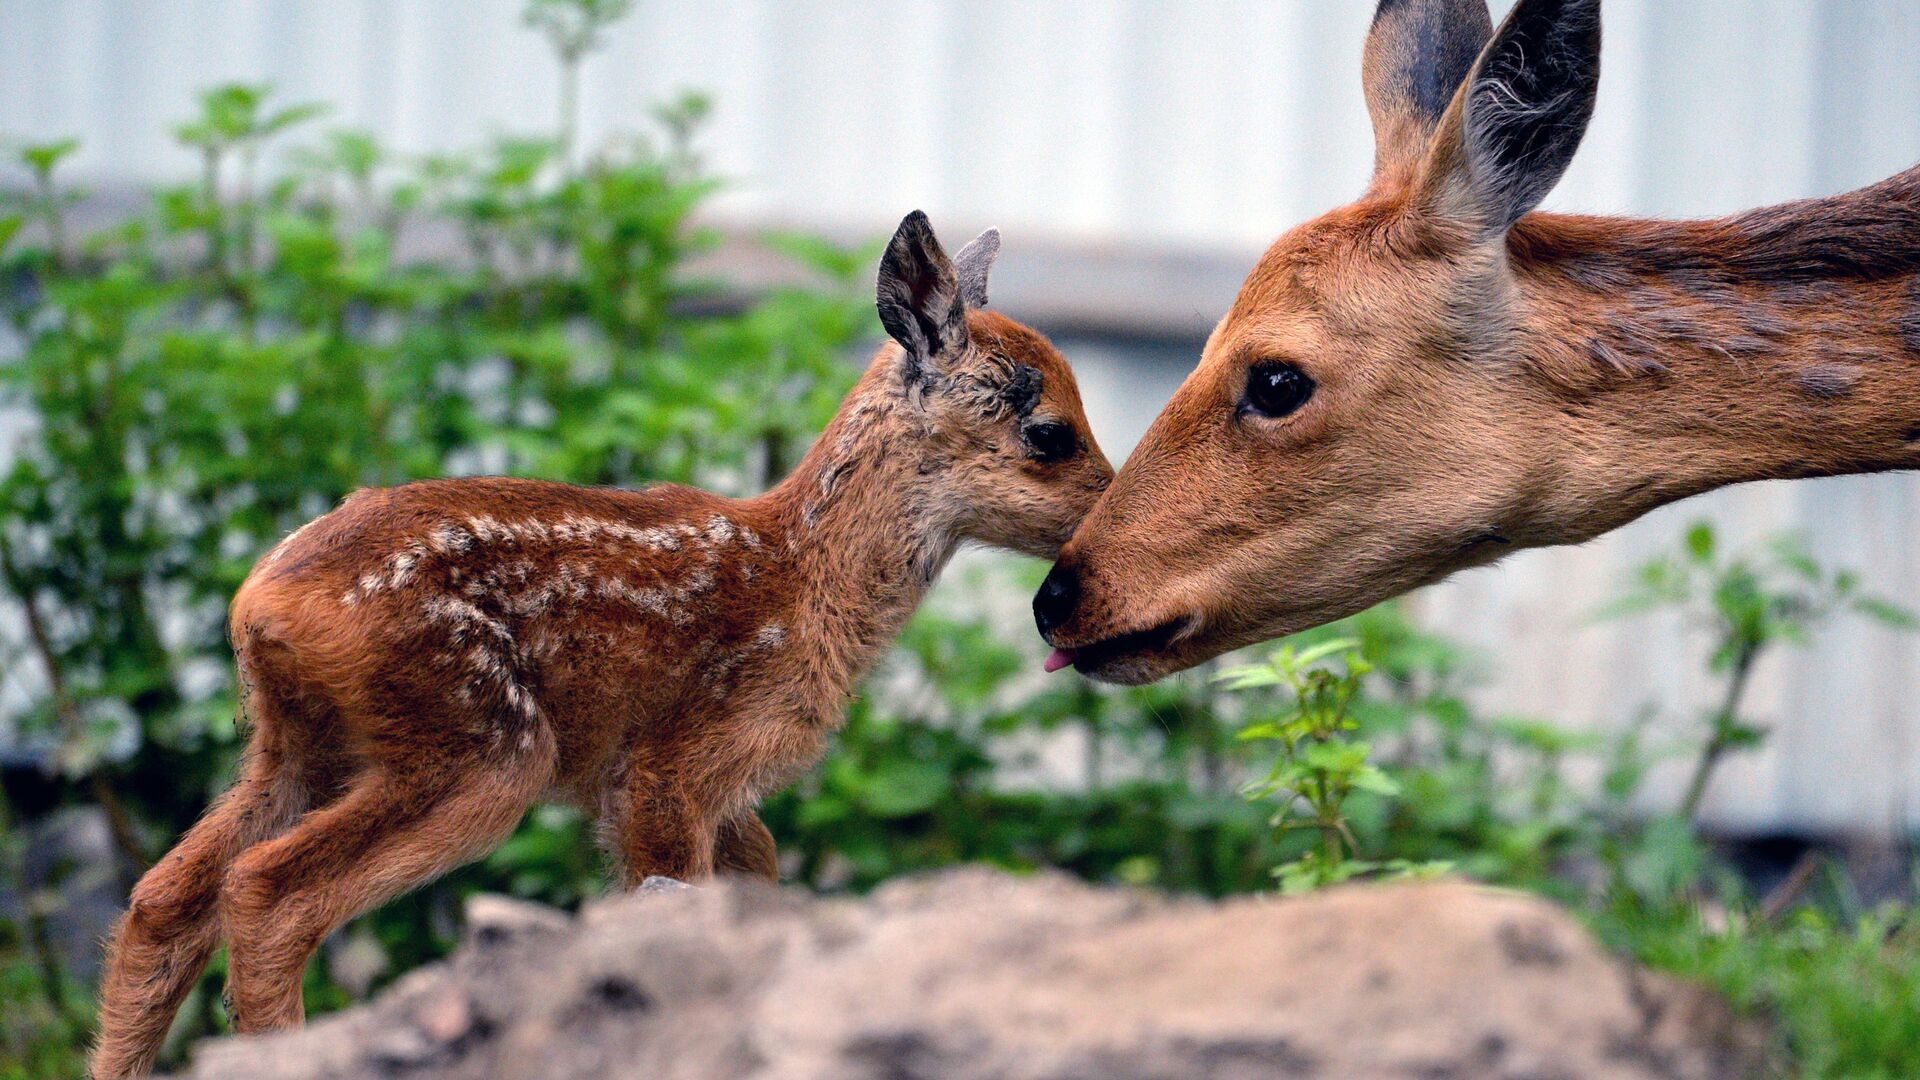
[
  {"x": 920, "y": 300},
  {"x": 974, "y": 263},
  {"x": 1418, "y": 53},
  {"x": 1508, "y": 137}
]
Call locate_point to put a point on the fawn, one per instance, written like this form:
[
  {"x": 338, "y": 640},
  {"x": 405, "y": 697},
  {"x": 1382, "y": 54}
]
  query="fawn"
[
  {"x": 1436, "y": 376},
  {"x": 425, "y": 662}
]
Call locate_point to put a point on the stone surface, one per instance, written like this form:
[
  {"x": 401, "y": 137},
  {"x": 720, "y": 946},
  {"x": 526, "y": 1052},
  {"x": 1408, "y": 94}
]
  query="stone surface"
[{"x": 973, "y": 975}]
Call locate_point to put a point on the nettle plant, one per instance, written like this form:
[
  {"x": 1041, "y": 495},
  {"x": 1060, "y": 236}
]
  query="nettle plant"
[
  {"x": 1380, "y": 750},
  {"x": 1319, "y": 765},
  {"x": 1746, "y": 604}
]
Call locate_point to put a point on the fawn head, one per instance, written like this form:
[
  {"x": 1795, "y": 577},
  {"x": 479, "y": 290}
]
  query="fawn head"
[
  {"x": 994, "y": 406},
  {"x": 1364, "y": 419}
]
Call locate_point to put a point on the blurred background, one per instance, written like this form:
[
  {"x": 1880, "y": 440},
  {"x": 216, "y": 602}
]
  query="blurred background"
[
  {"x": 1138, "y": 163},
  {"x": 512, "y": 241}
]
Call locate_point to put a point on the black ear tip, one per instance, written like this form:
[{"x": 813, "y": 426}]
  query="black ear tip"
[
  {"x": 915, "y": 224},
  {"x": 1551, "y": 12}
]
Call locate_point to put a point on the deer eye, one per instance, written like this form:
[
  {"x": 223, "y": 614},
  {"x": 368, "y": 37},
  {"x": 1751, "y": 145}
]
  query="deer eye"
[
  {"x": 1276, "y": 388},
  {"x": 1048, "y": 442}
]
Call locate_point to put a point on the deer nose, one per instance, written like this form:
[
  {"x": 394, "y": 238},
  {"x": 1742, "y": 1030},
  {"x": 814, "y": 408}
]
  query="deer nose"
[{"x": 1053, "y": 605}]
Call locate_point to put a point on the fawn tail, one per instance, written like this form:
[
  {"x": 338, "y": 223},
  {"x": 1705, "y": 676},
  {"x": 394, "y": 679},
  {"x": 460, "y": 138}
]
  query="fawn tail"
[{"x": 162, "y": 944}]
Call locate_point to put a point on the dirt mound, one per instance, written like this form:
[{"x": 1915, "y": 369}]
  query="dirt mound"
[{"x": 973, "y": 974}]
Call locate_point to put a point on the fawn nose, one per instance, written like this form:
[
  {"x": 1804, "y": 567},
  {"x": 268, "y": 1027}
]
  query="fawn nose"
[{"x": 1053, "y": 605}]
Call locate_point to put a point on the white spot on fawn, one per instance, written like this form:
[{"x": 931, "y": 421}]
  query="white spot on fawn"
[
  {"x": 464, "y": 617},
  {"x": 448, "y": 537},
  {"x": 401, "y": 566},
  {"x": 526, "y": 587},
  {"x": 486, "y": 530}
]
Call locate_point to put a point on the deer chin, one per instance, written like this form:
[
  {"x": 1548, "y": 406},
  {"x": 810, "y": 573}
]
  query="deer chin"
[
  {"x": 1134, "y": 657},
  {"x": 1166, "y": 648}
]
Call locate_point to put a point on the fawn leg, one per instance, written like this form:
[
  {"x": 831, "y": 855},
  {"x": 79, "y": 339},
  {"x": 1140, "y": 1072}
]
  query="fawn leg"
[
  {"x": 701, "y": 789},
  {"x": 172, "y": 922},
  {"x": 666, "y": 832},
  {"x": 394, "y": 829},
  {"x": 745, "y": 847}
]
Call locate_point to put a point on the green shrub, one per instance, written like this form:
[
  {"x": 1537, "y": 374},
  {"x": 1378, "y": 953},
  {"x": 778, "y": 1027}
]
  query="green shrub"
[{"x": 1843, "y": 994}]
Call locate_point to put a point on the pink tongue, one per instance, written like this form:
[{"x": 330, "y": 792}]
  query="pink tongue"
[{"x": 1058, "y": 659}]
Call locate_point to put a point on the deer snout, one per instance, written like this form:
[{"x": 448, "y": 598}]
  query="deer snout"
[{"x": 1059, "y": 595}]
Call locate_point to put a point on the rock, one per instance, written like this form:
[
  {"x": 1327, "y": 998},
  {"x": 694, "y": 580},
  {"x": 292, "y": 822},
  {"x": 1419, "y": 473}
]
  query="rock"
[
  {"x": 493, "y": 920},
  {"x": 658, "y": 884},
  {"x": 971, "y": 974}
]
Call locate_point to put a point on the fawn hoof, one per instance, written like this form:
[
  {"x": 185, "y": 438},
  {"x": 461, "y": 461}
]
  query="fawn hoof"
[{"x": 657, "y": 883}]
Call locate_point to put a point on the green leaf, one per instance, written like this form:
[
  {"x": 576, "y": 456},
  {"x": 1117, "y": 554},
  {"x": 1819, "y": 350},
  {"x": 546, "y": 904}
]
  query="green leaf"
[
  {"x": 1313, "y": 654},
  {"x": 43, "y": 157},
  {"x": 1887, "y": 613},
  {"x": 1700, "y": 542},
  {"x": 1371, "y": 778},
  {"x": 290, "y": 117},
  {"x": 1249, "y": 678},
  {"x": 1419, "y": 870}
]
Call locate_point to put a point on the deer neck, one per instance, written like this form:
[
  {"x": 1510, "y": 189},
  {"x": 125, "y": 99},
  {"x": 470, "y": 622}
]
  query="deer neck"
[
  {"x": 1695, "y": 355},
  {"x": 865, "y": 530}
]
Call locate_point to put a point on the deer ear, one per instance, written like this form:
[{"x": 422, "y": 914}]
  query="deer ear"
[
  {"x": 974, "y": 263},
  {"x": 1418, "y": 53},
  {"x": 1508, "y": 137},
  {"x": 918, "y": 295}
]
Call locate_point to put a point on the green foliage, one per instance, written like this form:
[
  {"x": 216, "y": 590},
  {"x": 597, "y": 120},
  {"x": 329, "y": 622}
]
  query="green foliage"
[
  {"x": 1317, "y": 767},
  {"x": 1746, "y": 606},
  {"x": 574, "y": 27},
  {"x": 1842, "y": 993}
]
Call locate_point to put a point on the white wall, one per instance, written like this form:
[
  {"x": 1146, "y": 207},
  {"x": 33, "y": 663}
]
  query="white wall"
[
  {"x": 1136, "y": 125},
  {"x": 1215, "y": 123}
]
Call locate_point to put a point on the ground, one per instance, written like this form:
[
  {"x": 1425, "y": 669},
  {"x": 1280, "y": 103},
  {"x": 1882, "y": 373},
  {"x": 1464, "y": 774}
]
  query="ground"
[{"x": 974, "y": 974}]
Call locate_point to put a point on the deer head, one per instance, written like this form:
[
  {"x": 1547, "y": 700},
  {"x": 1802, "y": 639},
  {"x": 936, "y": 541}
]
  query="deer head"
[
  {"x": 1434, "y": 376},
  {"x": 996, "y": 428}
]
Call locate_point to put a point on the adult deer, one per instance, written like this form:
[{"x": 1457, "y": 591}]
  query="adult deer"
[
  {"x": 426, "y": 661},
  {"x": 1435, "y": 376}
]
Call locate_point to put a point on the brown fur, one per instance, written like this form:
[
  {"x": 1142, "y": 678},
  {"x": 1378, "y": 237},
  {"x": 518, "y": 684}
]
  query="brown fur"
[
  {"x": 1483, "y": 388},
  {"x": 425, "y": 662}
]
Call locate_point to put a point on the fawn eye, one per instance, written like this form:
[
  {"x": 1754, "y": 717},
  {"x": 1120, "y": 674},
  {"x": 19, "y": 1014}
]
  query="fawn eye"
[
  {"x": 1276, "y": 388},
  {"x": 1049, "y": 441}
]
